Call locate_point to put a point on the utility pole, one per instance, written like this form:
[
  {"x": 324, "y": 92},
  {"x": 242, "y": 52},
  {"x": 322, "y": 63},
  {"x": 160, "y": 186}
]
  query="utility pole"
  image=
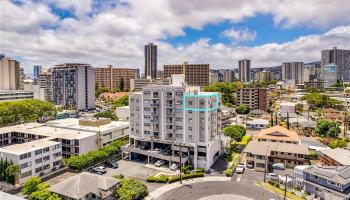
[
  {"x": 265, "y": 167},
  {"x": 180, "y": 154},
  {"x": 285, "y": 189}
]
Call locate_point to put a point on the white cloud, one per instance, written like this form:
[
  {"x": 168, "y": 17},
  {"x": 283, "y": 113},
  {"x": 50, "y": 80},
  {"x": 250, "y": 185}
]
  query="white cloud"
[
  {"x": 116, "y": 35},
  {"x": 239, "y": 34}
]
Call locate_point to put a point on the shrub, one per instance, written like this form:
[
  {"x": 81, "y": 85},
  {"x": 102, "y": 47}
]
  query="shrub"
[
  {"x": 131, "y": 189},
  {"x": 118, "y": 176},
  {"x": 151, "y": 179},
  {"x": 185, "y": 176},
  {"x": 228, "y": 172},
  {"x": 163, "y": 179},
  {"x": 200, "y": 170}
]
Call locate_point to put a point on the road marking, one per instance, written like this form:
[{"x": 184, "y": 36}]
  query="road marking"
[{"x": 239, "y": 177}]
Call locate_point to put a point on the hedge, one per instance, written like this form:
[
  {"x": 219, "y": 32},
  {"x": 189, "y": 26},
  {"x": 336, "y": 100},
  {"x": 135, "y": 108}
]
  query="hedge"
[
  {"x": 200, "y": 170},
  {"x": 228, "y": 172},
  {"x": 185, "y": 176},
  {"x": 160, "y": 179}
]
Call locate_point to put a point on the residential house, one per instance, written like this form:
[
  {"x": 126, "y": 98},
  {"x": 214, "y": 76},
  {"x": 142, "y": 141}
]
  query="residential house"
[
  {"x": 328, "y": 182},
  {"x": 86, "y": 186},
  {"x": 257, "y": 124}
]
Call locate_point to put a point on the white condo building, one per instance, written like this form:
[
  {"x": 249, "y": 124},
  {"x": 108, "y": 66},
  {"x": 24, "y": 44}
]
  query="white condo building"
[
  {"x": 170, "y": 117},
  {"x": 39, "y": 149}
]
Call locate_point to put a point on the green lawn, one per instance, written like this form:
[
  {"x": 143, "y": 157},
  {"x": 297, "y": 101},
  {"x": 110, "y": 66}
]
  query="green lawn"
[{"x": 278, "y": 191}]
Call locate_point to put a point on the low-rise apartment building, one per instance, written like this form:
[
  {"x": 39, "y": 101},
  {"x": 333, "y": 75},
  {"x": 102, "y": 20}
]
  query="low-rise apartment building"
[
  {"x": 13, "y": 95},
  {"x": 328, "y": 182},
  {"x": 278, "y": 134},
  {"x": 276, "y": 145},
  {"x": 175, "y": 119},
  {"x": 263, "y": 154},
  {"x": 335, "y": 157},
  {"x": 254, "y": 98},
  {"x": 56, "y": 140}
]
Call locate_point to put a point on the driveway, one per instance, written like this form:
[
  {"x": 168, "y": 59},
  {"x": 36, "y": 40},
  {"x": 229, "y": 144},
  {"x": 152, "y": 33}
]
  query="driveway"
[
  {"x": 131, "y": 169},
  {"x": 60, "y": 178}
]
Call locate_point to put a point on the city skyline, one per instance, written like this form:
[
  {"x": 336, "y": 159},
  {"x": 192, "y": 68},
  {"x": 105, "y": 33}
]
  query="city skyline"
[{"x": 50, "y": 33}]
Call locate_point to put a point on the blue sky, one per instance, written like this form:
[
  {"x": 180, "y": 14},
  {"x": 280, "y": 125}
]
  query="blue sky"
[
  {"x": 103, "y": 32},
  {"x": 262, "y": 24}
]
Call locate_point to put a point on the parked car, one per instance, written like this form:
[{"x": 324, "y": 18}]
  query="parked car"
[
  {"x": 156, "y": 150},
  {"x": 144, "y": 146},
  {"x": 111, "y": 164},
  {"x": 272, "y": 176},
  {"x": 250, "y": 165},
  {"x": 99, "y": 170},
  {"x": 279, "y": 166},
  {"x": 174, "y": 166},
  {"x": 240, "y": 168},
  {"x": 159, "y": 163}
]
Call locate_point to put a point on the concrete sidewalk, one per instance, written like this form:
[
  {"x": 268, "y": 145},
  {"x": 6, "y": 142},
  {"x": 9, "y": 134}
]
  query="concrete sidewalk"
[{"x": 167, "y": 187}]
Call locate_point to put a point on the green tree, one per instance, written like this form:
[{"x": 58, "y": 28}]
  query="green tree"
[
  {"x": 22, "y": 111},
  {"x": 42, "y": 193},
  {"x": 122, "y": 101},
  {"x": 235, "y": 132},
  {"x": 226, "y": 90},
  {"x": 31, "y": 185},
  {"x": 327, "y": 128},
  {"x": 338, "y": 143},
  {"x": 12, "y": 170},
  {"x": 242, "y": 109},
  {"x": 108, "y": 114},
  {"x": 317, "y": 100},
  {"x": 101, "y": 90},
  {"x": 131, "y": 189}
]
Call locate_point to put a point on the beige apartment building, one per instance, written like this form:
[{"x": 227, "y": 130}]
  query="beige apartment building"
[
  {"x": 10, "y": 74},
  {"x": 195, "y": 74},
  {"x": 254, "y": 98},
  {"x": 112, "y": 78}
]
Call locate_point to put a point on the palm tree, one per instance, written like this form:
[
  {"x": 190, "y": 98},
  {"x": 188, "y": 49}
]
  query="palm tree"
[{"x": 12, "y": 171}]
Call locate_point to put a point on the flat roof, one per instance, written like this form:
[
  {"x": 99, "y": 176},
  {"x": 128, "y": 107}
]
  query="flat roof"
[
  {"x": 7, "y": 196},
  {"x": 73, "y": 123},
  {"x": 22, "y": 148}
]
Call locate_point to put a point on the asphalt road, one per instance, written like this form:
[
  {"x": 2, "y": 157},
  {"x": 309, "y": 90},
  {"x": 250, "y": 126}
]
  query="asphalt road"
[{"x": 241, "y": 187}]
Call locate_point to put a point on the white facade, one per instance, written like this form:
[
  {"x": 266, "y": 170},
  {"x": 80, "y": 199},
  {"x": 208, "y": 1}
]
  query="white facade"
[
  {"x": 35, "y": 158},
  {"x": 287, "y": 107},
  {"x": 170, "y": 115},
  {"x": 10, "y": 74},
  {"x": 293, "y": 71},
  {"x": 12, "y": 95}
]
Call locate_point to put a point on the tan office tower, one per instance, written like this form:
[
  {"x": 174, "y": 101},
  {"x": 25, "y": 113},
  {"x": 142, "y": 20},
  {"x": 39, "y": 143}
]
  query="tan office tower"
[
  {"x": 112, "y": 78},
  {"x": 10, "y": 74},
  {"x": 195, "y": 74},
  {"x": 45, "y": 84},
  {"x": 293, "y": 72},
  {"x": 244, "y": 70}
]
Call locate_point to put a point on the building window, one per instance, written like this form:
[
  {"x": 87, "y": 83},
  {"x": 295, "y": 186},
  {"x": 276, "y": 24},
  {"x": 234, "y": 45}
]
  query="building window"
[
  {"x": 39, "y": 160},
  {"x": 190, "y": 128},
  {"x": 314, "y": 177},
  {"x": 190, "y": 120},
  {"x": 26, "y": 174},
  {"x": 39, "y": 151},
  {"x": 260, "y": 165},
  {"x": 24, "y": 156},
  {"x": 333, "y": 183},
  {"x": 47, "y": 149},
  {"x": 39, "y": 169},
  {"x": 190, "y": 103},
  {"x": 190, "y": 111}
]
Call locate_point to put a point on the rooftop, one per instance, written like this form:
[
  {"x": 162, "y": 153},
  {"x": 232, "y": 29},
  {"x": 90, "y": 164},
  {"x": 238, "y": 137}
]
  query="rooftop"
[
  {"x": 7, "y": 196},
  {"x": 22, "y": 148},
  {"x": 338, "y": 174},
  {"x": 342, "y": 156},
  {"x": 73, "y": 123},
  {"x": 278, "y": 133},
  {"x": 76, "y": 187},
  {"x": 265, "y": 148}
]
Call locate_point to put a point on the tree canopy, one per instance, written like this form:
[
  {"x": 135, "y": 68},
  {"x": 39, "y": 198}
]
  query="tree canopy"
[
  {"x": 316, "y": 100},
  {"x": 100, "y": 90},
  {"x": 107, "y": 114},
  {"x": 122, "y": 101},
  {"x": 8, "y": 170},
  {"x": 327, "y": 128},
  {"x": 235, "y": 132},
  {"x": 227, "y": 91},
  {"x": 242, "y": 109},
  {"x": 131, "y": 189},
  {"x": 35, "y": 189},
  {"x": 83, "y": 161},
  {"x": 28, "y": 110}
]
